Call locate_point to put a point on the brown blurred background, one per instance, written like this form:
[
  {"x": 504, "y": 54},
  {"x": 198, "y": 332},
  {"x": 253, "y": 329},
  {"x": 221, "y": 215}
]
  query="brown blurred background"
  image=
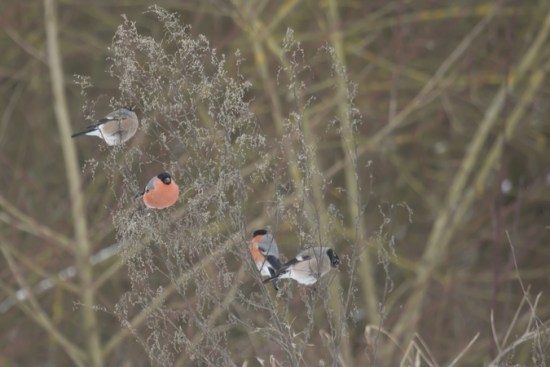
[{"x": 455, "y": 122}]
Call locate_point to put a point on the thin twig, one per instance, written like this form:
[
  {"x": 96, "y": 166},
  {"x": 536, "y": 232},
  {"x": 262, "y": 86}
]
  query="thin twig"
[
  {"x": 514, "y": 320},
  {"x": 494, "y": 332},
  {"x": 464, "y": 351},
  {"x": 83, "y": 248},
  {"x": 38, "y": 314},
  {"x": 457, "y": 201},
  {"x": 418, "y": 100}
]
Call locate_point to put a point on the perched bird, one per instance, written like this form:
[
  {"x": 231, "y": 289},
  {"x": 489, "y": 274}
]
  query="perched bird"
[
  {"x": 308, "y": 266},
  {"x": 116, "y": 128},
  {"x": 266, "y": 254},
  {"x": 161, "y": 192}
]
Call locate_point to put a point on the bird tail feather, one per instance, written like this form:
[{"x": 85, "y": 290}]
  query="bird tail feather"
[{"x": 88, "y": 130}]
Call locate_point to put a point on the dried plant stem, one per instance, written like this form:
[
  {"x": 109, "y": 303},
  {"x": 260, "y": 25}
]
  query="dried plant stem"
[
  {"x": 261, "y": 63},
  {"x": 39, "y": 270},
  {"x": 494, "y": 331},
  {"x": 169, "y": 290},
  {"x": 260, "y": 58},
  {"x": 217, "y": 312},
  {"x": 318, "y": 209},
  {"x": 281, "y": 14},
  {"x": 525, "y": 337},
  {"x": 38, "y": 314},
  {"x": 30, "y": 225},
  {"x": 318, "y": 221},
  {"x": 437, "y": 14},
  {"x": 464, "y": 351},
  {"x": 82, "y": 249},
  {"x": 260, "y": 33},
  {"x": 539, "y": 329},
  {"x": 535, "y": 83},
  {"x": 106, "y": 274},
  {"x": 458, "y": 200},
  {"x": 514, "y": 320},
  {"x": 430, "y": 86},
  {"x": 139, "y": 319},
  {"x": 353, "y": 189}
]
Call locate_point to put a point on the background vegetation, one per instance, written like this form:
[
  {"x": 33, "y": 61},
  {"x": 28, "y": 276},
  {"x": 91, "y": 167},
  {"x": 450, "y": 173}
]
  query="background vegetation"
[{"x": 412, "y": 137}]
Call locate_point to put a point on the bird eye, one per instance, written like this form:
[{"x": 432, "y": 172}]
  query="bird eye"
[{"x": 167, "y": 180}]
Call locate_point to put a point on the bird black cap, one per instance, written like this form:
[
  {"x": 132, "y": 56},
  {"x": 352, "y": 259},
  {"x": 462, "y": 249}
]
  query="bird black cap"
[
  {"x": 259, "y": 232},
  {"x": 164, "y": 177},
  {"x": 334, "y": 259}
]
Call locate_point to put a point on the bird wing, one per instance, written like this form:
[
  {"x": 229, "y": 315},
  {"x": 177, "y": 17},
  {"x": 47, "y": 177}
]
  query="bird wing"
[
  {"x": 319, "y": 265},
  {"x": 297, "y": 259},
  {"x": 115, "y": 126},
  {"x": 274, "y": 262},
  {"x": 272, "y": 273},
  {"x": 268, "y": 246},
  {"x": 150, "y": 185},
  {"x": 283, "y": 269}
]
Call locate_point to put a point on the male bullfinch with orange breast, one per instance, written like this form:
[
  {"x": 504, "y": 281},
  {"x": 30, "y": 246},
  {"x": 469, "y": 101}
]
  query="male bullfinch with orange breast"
[
  {"x": 115, "y": 128},
  {"x": 308, "y": 266},
  {"x": 161, "y": 192},
  {"x": 266, "y": 254}
]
